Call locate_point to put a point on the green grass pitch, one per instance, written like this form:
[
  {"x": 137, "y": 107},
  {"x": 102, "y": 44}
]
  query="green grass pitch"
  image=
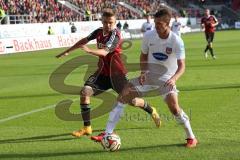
[{"x": 209, "y": 93}]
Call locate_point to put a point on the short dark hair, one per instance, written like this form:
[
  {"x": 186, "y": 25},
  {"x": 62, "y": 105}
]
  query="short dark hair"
[
  {"x": 163, "y": 12},
  {"x": 108, "y": 12}
]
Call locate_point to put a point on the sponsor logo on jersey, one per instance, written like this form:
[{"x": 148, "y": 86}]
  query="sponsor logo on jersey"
[
  {"x": 160, "y": 56},
  {"x": 151, "y": 44},
  {"x": 168, "y": 50},
  {"x": 101, "y": 46}
]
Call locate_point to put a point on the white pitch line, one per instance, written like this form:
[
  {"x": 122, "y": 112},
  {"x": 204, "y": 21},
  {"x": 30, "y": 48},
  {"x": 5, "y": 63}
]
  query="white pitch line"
[{"x": 28, "y": 113}]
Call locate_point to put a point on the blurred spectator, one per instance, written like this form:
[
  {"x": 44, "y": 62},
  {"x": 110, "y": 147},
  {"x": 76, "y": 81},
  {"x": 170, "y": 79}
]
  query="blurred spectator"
[
  {"x": 3, "y": 18},
  {"x": 88, "y": 15},
  {"x": 73, "y": 28},
  {"x": 119, "y": 25},
  {"x": 125, "y": 26},
  {"x": 147, "y": 26},
  {"x": 50, "y": 31},
  {"x": 39, "y": 11},
  {"x": 176, "y": 25}
]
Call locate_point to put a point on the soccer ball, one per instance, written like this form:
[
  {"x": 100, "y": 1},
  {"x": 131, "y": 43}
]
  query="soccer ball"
[{"x": 111, "y": 142}]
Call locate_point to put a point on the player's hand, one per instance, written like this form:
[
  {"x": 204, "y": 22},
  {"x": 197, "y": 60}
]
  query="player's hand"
[
  {"x": 171, "y": 83},
  {"x": 62, "y": 55},
  {"x": 142, "y": 78}
]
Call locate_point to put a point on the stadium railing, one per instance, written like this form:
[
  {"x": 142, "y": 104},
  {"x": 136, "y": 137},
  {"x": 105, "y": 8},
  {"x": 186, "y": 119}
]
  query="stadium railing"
[{"x": 18, "y": 19}]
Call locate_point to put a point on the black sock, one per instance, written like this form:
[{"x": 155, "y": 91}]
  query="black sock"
[
  {"x": 211, "y": 51},
  {"x": 206, "y": 49},
  {"x": 147, "y": 108},
  {"x": 85, "y": 111}
]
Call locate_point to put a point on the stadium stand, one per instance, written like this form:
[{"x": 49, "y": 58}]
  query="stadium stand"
[{"x": 39, "y": 11}]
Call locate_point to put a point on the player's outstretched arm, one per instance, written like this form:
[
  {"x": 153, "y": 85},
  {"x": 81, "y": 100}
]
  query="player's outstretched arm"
[
  {"x": 215, "y": 24},
  {"x": 75, "y": 46},
  {"x": 97, "y": 52}
]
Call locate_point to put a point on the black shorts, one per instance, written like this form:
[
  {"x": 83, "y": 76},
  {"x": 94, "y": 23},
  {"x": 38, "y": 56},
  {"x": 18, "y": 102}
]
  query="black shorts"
[
  {"x": 209, "y": 37},
  {"x": 101, "y": 83}
]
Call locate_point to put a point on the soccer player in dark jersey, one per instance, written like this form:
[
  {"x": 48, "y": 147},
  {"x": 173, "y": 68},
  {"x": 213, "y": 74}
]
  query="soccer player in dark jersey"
[
  {"x": 111, "y": 72},
  {"x": 209, "y": 22}
]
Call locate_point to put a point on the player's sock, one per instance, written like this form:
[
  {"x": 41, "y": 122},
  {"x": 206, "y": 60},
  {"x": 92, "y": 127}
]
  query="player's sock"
[
  {"x": 85, "y": 111},
  {"x": 206, "y": 49},
  {"x": 114, "y": 117},
  {"x": 211, "y": 51},
  {"x": 147, "y": 108},
  {"x": 182, "y": 118}
]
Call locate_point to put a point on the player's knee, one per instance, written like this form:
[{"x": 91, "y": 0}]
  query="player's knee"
[
  {"x": 134, "y": 102},
  {"x": 174, "y": 107},
  {"x": 86, "y": 91},
  {"x": 175, "y": 110},
  {"x": 128, "y": 95},
  {"x": 138, "y": 102},
  {"x": 210, "y": 45}
]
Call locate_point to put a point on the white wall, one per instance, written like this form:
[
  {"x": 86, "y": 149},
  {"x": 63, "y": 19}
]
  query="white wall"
[
  {"x": 25, "y": 44},
  {"x": 31, "y": 37},
  {"x": 40, "y": 29}
]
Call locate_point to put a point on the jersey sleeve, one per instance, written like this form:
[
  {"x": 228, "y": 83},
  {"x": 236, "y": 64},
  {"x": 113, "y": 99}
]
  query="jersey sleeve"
[
  {"x": 215, "y": 19},
  {"x": 180, "y": 49},
  {"x": 113, "y": 42},
  {"x": 145, "y": 47},
  {"x": 93, "y": 35}
]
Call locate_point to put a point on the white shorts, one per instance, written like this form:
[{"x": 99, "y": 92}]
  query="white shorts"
[{"x": 153, "y": 87}]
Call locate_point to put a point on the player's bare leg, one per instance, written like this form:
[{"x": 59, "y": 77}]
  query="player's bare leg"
[
  {"x": 139, "y": 102},
  {"x": 130, "y": 95},
  {"x": 211, "y": 50},
  {"x": 181, "y": 117},
  {"x": 205, "y": 51},
  {"x": 86, "y": 93}
]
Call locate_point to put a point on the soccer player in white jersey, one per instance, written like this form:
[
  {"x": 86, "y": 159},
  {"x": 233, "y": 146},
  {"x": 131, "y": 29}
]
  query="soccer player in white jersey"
[
  {"x": 176, "y": 25},
  {"x": 165, "y": 49},
  {"x": 147, "y": 26}
]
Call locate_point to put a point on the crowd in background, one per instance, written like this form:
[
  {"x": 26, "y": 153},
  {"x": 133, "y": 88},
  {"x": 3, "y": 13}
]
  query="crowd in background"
[{"x": 52, "y": 11}]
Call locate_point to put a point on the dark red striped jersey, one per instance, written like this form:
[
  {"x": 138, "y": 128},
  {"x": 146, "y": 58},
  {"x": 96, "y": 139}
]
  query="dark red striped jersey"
[
  {"x": 112, "y": 62},
  {"x": 208, "y": 21}
]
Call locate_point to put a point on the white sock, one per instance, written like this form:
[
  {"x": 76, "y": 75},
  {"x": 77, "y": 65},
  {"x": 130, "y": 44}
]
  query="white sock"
[
  {"x": 182, "y": 118},
  {"x": 114, "y": 117}
]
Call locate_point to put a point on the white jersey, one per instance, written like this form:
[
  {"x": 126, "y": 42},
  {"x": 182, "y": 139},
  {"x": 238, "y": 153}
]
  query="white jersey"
[
  {"x": 176, "y": 26},
  {"x": 147, "y": 26},
  {"x": 164, "y": 52}
]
